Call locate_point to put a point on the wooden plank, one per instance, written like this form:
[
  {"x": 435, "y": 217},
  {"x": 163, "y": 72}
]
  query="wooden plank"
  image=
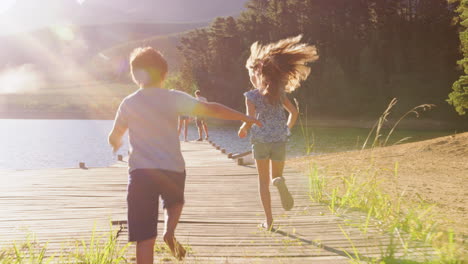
[{"x": 219, "y": 222}]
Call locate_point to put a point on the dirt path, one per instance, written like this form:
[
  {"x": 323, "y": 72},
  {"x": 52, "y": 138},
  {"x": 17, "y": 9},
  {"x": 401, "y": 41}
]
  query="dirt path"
[{"x": 434, "y": 170}]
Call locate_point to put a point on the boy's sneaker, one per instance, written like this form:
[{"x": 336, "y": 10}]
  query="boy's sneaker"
[{"x": 287, "y": 200}]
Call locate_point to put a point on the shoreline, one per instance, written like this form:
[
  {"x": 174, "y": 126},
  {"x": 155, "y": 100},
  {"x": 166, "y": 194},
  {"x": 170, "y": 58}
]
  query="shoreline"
[
  {"x": 332, "y": 122},
  {"x": 56, "y": 116}
]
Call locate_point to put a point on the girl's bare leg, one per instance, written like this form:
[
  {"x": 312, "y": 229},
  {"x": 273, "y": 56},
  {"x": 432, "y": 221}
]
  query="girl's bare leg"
[
  {"x": 277, "y": 168},
  {"x": 263, "y": 168},
  {"x": 287, "y": 200}
]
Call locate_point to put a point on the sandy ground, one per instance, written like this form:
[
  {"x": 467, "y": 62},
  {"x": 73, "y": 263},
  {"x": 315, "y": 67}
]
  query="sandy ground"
[{"x": 435, "y": 171}]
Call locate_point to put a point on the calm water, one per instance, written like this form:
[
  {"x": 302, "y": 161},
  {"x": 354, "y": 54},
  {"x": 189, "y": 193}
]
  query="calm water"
[{"x": 33, "y": 144}]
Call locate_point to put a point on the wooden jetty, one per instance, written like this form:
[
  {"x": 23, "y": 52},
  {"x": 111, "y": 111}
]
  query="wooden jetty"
[{"x": 220, "y": 221}]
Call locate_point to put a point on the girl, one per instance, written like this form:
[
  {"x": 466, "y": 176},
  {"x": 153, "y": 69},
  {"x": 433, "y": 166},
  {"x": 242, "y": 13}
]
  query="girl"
[{"x": 274, "y": 69}]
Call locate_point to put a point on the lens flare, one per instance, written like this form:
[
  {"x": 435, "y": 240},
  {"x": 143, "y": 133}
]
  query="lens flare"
[
  {"x": 63, "y": 32},
  {"x": 5, "y": 5},
  {"x": 22, "y": 79}
]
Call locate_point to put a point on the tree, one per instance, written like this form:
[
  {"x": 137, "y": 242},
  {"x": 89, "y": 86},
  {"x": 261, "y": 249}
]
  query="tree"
[
  {"x": 459, "y": 96},
  {"x": 370, "y": 51}
]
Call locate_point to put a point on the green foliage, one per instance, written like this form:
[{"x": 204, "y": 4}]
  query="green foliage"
[
  {"x": 100, "y": 249},
  {"x": 410, "y": 224},
  {"x": 377, "y": 128},
  {"x": 459, "y": 96},
  {"x": 370, "y": 50},
  {"x": 176, "y": 82},
  {"x": 28, "y": 252}
]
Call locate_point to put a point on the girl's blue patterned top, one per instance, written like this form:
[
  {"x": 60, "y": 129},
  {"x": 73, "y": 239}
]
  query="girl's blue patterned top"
[{"x": 273, "y": 118}]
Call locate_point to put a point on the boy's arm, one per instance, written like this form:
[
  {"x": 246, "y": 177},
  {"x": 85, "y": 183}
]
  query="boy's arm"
[
  {"x": 293, "y": 112},
  {"x": 115, "y": 136},
  {"x": 119, "y": 129},
  {"x": 250, "y": 108},
  {"x": 220, "y": 111},
  {"x": 188, "y": 105}
]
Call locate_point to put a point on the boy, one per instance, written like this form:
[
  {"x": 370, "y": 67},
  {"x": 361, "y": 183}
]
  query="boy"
[
  {"x": 201, "y": 123},
  {"x": 156, "y": 165}
]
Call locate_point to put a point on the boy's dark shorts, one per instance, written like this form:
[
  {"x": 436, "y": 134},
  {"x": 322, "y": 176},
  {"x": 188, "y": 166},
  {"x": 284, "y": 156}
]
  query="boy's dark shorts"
[{"x": 144, "y": 188}]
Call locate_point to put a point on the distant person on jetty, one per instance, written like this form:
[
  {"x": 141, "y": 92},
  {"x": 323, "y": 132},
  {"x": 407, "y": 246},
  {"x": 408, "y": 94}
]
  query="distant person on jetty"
[
  {"x": 201, "y": 122},
  {"x": 156, "y": 165},
  {"x": 274, "y": 69},
  {"x": 183, "y": 124}
]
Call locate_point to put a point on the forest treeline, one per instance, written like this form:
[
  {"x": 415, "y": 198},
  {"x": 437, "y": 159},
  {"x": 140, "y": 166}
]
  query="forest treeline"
[{"x": 370, "y": 52}]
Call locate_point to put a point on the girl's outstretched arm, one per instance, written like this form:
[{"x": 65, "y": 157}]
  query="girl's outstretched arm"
[
  {"x": 293, "y": 112},
  {"x": 244, "y": 129}
]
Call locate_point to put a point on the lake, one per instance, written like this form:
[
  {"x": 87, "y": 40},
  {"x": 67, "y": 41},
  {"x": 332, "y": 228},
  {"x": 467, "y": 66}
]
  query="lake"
[{"x": 35, "y": 144}]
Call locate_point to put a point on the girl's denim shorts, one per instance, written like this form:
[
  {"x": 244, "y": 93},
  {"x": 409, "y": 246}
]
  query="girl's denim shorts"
[{"x": 275, "y": 151}]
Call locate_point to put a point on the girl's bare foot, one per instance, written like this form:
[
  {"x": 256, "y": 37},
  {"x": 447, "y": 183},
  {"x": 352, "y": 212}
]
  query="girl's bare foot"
[{"x": 176, "y": 248}]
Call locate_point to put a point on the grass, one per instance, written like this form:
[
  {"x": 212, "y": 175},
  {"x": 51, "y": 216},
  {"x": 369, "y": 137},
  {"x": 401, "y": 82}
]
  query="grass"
[
  {"x": 410, "y": 224},
  {"x": 306, "y": 132},
  {"x": 377, "y": 129},
  {"x": 27, "y": 252},
  {"x": 100, "y": 248}
]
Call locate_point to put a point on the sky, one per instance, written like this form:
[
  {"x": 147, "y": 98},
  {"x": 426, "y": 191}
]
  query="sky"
[{"x": 24, "y": 15}]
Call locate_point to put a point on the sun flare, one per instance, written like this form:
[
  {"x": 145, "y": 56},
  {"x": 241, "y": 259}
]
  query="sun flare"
[
  {"x": 21, "y": 79},
  {"x": 5, "y": 5}
]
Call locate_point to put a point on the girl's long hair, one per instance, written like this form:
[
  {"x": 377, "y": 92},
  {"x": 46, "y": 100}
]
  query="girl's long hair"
[{"x": 282, "y": 65}]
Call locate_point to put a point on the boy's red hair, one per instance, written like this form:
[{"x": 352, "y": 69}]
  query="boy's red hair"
[{"x": 147, "y": 66}]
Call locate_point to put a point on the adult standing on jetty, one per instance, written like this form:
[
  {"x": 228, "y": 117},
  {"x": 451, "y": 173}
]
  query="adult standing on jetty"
[
  {"x": 201, "y": 122},
  {"x": 156, "y": 165},
  {"x": 183, "y": 124},
  {"x": 274, "y": 70}
]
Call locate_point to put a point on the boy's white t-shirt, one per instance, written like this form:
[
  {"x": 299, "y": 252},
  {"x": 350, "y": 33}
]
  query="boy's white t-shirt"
[
  {"x": 151, "y": 116},
  {"x": 201, "y": 99}
]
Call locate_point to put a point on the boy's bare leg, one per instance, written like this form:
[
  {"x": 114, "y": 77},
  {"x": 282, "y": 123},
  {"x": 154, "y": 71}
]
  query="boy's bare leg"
[
  {"x": 263, "y": 168},
  {"x": 205, "y": 128},
  {"x": 172, "y": 216},
  {"x": 144, "y": 251}
]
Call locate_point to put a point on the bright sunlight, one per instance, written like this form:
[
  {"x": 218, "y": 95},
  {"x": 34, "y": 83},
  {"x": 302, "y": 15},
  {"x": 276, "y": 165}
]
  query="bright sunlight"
[{"x": 5, "y": 5}]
